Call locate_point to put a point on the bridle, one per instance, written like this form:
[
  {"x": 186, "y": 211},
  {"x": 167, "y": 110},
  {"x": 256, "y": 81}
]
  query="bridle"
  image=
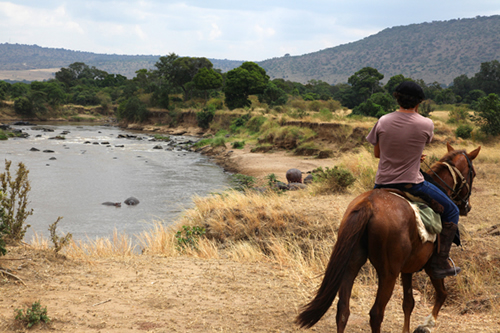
[{"x": 459, "y": 182}]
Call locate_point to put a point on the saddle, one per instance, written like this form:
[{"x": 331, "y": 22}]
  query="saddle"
[{"x": 428, "y": 220}]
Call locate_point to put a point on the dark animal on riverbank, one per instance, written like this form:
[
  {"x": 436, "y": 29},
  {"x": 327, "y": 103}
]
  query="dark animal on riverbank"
[
  {"x": 380, "y": 226},
  {"x": 132, "y": 201},
  {"x": 294, "y": 176},
  {"x": 109, "y": 203}
]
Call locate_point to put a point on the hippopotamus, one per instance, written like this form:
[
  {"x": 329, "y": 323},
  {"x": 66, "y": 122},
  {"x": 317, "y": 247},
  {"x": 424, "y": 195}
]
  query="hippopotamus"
[
  {"x": 132, "y": 201},
  {"x": 109, "y": 203},
  {"x": 294, "y": 176},
  {"x": 309, "y": 179}
]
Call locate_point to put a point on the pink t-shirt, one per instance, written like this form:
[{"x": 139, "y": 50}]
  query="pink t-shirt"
[{"x": 402, "y": 138}]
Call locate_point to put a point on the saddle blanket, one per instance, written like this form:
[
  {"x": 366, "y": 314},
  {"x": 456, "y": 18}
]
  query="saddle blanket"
[{"x": 428, "y": 221}]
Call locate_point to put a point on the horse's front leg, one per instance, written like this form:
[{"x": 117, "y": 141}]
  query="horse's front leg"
[
  {"x": 408, "y": 300},
  {"x": 441, "y": 295}
]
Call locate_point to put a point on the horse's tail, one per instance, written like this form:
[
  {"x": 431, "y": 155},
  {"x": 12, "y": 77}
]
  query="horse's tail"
[{"x": 350, "y": 233}]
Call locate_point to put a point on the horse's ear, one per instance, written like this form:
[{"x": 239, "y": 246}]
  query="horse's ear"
[
  {"x": 473, "y": 154},
  {"x": 450, "y": 148}
]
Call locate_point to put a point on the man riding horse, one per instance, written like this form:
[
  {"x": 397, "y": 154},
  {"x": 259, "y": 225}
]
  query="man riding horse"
[{"x": 399, "y": 139}]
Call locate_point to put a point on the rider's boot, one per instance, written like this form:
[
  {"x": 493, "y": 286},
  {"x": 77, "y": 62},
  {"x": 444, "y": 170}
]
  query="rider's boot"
[{"x": 440, "y": 267}]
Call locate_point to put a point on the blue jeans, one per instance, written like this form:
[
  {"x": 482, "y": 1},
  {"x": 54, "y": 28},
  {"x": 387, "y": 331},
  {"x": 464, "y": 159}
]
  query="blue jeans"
[{"x": 451, "y": 212}]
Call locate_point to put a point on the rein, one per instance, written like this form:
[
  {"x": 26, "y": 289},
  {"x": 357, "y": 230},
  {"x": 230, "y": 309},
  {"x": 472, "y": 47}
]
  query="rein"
[{"x": 455, "y": 173}]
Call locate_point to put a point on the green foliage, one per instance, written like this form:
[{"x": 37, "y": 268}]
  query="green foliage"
[
  {"x": 32, "y": 316},
  {"x": 239, "y": 122},
  {"x": 59, "y": 242},
  {"x": 188, "y": 237},
  {"x": 458, "y": 115},
  {"x": 425, "y": 108},
  {"x": 3, "y": 229},
  {"x": 205, "y": 116},
  {"x": 334, "y": 180},
  {"x": 487, "y": 115},
  {"x": 273, "y": 95},
  {"x": 248, "y": 79},
  {"x": 218, "y": 141},
  {"x": 133, "y": 110},
  {"x": 325, "y": 115},
  {"x": 368, "y": 108},
  {"x": 242, "y": 182},
  {"x": 255, "y": 123},
  {"x": 207, "y": 79},
  {"x": 216, "y": 102},
  {"x": 238, "y": 144},
  {"x": 160, "y": 137},
  {"x": 14, "y": 201},
  {"x": 464, "y": 131}
]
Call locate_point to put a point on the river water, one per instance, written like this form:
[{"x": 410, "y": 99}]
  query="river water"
[{"x": 84, "y": 175}]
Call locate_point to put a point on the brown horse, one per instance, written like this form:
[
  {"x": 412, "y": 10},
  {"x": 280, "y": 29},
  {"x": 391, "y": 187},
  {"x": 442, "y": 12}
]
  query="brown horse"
[{"x": 382, "y": 227}]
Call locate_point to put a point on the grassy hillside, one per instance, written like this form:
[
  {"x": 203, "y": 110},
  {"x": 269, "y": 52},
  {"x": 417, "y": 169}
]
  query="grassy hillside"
[{"x": 437, "y": 51}]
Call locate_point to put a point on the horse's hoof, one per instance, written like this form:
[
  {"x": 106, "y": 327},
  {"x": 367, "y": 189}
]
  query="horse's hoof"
[{"x": 422, "y": 329}]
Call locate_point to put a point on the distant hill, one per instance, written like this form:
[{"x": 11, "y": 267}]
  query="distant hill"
[
  {"x": 437, "y": 51},
  {"x": 31, "y": 58}
]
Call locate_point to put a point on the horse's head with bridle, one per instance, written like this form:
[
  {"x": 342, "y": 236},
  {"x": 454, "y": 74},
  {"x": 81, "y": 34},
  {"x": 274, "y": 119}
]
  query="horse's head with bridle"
[{"x": 456, "y": 168}]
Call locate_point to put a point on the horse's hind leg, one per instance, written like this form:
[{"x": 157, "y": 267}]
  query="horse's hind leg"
[
  {"x": 357, "y": 261},
  {"x": 386, "y": 284},
  {"x": 408, "y": 300},
  {"x": 441, "y": 295}
]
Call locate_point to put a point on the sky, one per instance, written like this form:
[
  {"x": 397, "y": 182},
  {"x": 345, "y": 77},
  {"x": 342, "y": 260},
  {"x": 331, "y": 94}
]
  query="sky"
[{"x": 252, "y": 30}]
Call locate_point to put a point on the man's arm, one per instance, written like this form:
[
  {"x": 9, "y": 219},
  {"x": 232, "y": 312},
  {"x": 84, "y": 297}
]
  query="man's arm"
[{"x": 376, "y": 150}]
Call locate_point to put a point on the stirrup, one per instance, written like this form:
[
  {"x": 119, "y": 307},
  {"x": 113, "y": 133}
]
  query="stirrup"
[{"x": 454, "y": 267}]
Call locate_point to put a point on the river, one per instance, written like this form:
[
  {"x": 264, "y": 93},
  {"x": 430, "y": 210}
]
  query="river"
[{"x": 84, "y": 175}]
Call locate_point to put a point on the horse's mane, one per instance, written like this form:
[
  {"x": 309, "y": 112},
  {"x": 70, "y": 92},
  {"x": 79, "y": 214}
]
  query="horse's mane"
[{"x": 448, "y": 158}]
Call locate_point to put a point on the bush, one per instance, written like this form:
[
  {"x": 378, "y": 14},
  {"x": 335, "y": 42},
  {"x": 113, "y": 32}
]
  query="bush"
[
  {"x": 188, "y": 237},
  {"x": 488, "y": 114},
  {"x": 133, "y": 110},
  {"x": 14, "y": 201},
  {"x": 315, "y": 105},
  {"x": 333, "y": 180},
  {"x": 238, "y": 144},
  {"x": 239, "y": 122},
  {"x": 59, "y": 242},
  {"x": 458, "y": 115},
  {"x": 218, "y": 142},
  {"x": 464, "y": 131},
  {"x": 33, "y": 315},
  {"x": 3, "y": 230},
  {"x": 254, "y": 124},
  {"x": 242, "y": 182},
  {"x": 205, "y": 116},
  {"x": 216, "y": 102},
  {"x": 325, "y": 114}
]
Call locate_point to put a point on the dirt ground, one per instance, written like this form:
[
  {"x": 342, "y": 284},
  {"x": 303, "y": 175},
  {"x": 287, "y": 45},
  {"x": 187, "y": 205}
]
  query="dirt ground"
[{"x": 155, "y": 294}]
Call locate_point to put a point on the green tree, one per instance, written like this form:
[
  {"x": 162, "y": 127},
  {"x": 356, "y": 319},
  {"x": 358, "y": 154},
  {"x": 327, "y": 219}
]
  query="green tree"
[
  {"x": 248, "y": 79},
  {"x": 30, "y": 104},
  {"x": 365, "y": 83},
  {"x": 183, "y": 71},
  {"x": 488, "y": 77},
  {"x": 394, "y": 82},
  {"x": 487, "y": 114},
  {"x": 207, "y": 79},
  {"x": 273, "y": 95},
  {"x": 133, "y": 110}
]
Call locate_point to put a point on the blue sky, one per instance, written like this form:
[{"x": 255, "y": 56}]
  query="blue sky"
[{"x": 221, "y": 29}]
